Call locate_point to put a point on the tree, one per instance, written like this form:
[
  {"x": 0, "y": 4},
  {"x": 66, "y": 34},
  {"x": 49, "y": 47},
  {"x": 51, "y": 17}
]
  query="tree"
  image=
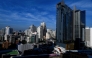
[{"x": 24, "y": 41}]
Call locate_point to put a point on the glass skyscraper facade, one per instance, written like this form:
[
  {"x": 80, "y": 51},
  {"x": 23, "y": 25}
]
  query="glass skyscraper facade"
[
  {"x": 78, "y": 24},
  {"x": 69, "y": 23},
  {"x": 63, "y": 22}
]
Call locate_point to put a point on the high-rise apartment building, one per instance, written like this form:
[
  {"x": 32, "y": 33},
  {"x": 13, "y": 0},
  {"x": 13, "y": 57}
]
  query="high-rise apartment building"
[
  {"x": 2, "y": 33},
  {"x": 63, "y": 22},
  {"x": 33, "y": 28},
  {"x": 40, "y": 32},
  {"x": 48, "y": 35},
  {"x": 8, "y": 30},
  {"x": 44, "y": 28},
  {"x": 70, "y": 24},
  {"x": 34, "y": 38},
  {"x": 51, "y": 33},
  {"x": 78, "y": 24},
  {"x": 26, "y": 31}
]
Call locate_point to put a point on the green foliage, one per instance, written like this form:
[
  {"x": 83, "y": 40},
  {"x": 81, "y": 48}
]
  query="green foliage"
[{"x": 24, "y": 41}]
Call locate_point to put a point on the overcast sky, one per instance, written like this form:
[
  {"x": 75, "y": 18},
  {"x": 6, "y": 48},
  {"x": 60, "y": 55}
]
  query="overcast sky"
[{"x": 20, "y": 14}]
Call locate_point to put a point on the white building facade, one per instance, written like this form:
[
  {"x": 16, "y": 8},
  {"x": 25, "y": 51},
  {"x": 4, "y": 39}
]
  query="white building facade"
[
  {"x": 26, "y": 31},
  {"x": 43, "y": 24},
  {"x": 8, "y": 32},
  {"x": 48, "y": 36},
  {"x": 51, "y": 33},
  {"x": 40, "y": 32},
  {"x": 31, "y": 30},
  {"x": 88, "y": 40},
  {"x": 24, "y": 47}
]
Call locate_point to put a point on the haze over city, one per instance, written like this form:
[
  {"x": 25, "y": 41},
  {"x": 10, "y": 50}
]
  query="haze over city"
[{"x": 20, "y": 14}]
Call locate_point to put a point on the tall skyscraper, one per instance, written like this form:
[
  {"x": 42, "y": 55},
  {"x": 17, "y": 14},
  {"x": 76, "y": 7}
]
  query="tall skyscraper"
[
  {"x": 78, "y": 24},
  {"x": 70, "y": 24},
  {"x": 48, "y": 36},
  {"x": 26, "y": 31},
  {"x": 40, "y": 32},
  {"x": 2, "y": 33},
  {"x": 44, "y": 28},
  {"x": 43, "y": 25},
  {"x": 8, "y": 30},
  {"x": 33, "y": 28},
  {"x": 51, "y": 33},
  {"x": 63, "y": 22}
]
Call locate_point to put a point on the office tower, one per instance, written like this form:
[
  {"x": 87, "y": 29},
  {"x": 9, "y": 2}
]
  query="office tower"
[
  {"x": 48, "y": 35},
  {"x": 34, "y": 38},
  {"x": 43, "y": 24},
  {"x": 40, "y": 32},
  {"x": 29, "y": 32},
  {"x": 63, "y": 22},
  {"x": 33, "y": 28},
  {"x": 70, "y": 24},
  {"x": 78, "y": 28},
  {"x": 5, "y": 37},
  {"x": 2, "y": 33},
  {"x": 51, "y": 32},
  {"x": 8, "y": 33},
  {"x": 8, "y": 30},
  {"x": 78, "y": 24},
  {"x": 88, "y": 35},
  {"x": 26, "y": 31},
  {"x": 54, "y": 34},
  {"x": 44, "y": 28},
  {"x": 27, "y": 39}
]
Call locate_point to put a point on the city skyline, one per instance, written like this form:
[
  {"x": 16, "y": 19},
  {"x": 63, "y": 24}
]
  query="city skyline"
[{"x": 20, "y": 15}]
